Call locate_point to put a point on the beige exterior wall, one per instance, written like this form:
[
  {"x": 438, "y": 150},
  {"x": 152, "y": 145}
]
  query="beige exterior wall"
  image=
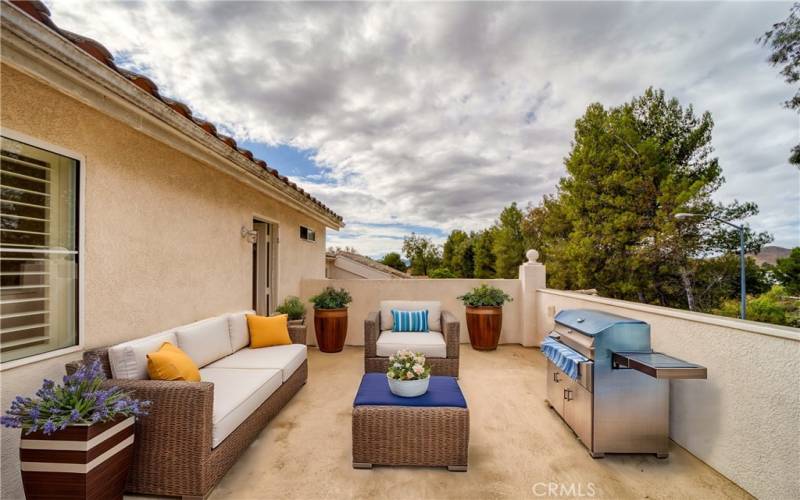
[
  {"x": 744, "y": 421},
  {"x": 367, "y": 294},
  {"x": 163, "y": 244}
]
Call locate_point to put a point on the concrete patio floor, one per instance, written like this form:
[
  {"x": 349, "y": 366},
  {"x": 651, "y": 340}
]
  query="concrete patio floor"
[{"x": 518, "y": 445}]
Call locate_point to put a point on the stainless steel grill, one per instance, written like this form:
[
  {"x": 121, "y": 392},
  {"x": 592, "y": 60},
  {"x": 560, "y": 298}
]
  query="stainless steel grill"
[{"x": 620, "y": 400}]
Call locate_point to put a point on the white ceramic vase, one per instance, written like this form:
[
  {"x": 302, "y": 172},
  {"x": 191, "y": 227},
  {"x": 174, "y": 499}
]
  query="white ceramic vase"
[{"x": 409, "y": 388}]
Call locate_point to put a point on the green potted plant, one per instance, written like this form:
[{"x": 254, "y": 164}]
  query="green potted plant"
[
  {"x": 93, "y": 420},
  {"x": 330, "y": 318},
  {"x": 484, "y": 316},
  {"x": 294, "y": 308}
]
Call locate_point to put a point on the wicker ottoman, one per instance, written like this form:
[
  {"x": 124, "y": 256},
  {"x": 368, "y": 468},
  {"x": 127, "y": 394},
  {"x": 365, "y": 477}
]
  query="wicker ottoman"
[{"x": 431, "y": 430}]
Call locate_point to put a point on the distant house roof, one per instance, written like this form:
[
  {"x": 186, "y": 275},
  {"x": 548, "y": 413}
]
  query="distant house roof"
[
  {"x": 366, "y": 261},
  {"x": 38, "y": 11}
]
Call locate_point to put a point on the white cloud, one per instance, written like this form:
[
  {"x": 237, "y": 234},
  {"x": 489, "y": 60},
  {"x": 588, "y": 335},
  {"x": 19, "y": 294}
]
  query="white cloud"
[{"x": 438, "y": 115}]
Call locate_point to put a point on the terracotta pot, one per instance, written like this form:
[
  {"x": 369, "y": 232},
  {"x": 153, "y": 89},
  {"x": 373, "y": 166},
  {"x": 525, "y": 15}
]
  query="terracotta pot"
[
  {"x": 330, "y": 326},
  {"x": 80, "y": 462},
  {"x": 484, "y": 325}
]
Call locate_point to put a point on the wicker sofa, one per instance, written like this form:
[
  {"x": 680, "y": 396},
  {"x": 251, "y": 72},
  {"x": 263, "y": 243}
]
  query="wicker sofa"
[
  {"x": 196, "y": 430},
  {"x": 440, "y": 345}
]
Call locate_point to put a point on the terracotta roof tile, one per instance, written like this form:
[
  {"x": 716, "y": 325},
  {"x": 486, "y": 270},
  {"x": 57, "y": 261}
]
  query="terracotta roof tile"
[{"x": 41, "y": 13}]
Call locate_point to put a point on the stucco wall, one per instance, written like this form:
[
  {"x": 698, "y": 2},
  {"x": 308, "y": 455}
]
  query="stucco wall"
[
  {"x": 744, "y": 421},
  {"x": 367, "y": 294},
  {"x": 163, "y": 244}
]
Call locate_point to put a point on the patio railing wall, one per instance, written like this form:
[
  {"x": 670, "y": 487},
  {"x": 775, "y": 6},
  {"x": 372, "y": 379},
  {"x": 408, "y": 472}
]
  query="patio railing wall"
[{"x": 744, "y": 420}]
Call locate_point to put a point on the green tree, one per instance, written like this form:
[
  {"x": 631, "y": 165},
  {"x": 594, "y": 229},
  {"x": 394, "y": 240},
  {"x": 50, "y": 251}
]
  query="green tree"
[
  {"x": 464, "y": 258},
  {"x": 422, "y": 253},
  {"x": 394, "y": 260},
  {"x": 483, "y": 254},
  {"x": 611, "y": 225},
  {"x": 452, "y": 253},
  {"x": 787, "y": 271},
  {"x": 509, "y": 243},
  {"x": 784, "y": 41}
]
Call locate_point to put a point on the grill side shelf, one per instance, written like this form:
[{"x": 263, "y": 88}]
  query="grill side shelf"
[{"x": 658, "y": 365}]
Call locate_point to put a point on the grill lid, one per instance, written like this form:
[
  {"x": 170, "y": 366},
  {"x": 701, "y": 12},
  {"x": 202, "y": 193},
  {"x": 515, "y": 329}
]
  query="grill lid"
[{"x": 591, "y": 322}]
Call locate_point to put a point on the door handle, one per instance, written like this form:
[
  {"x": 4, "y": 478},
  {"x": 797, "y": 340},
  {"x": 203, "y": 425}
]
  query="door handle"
[
  {"x": 568, "y": 394},
  {"x": 555, "y": 377}
]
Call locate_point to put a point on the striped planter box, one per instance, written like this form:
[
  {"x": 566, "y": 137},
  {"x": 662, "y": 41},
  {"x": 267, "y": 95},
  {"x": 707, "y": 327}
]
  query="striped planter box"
[{"x": 81, "y": 461}]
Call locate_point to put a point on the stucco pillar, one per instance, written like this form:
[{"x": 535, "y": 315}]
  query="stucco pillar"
[{"x": 532, "y": 276}]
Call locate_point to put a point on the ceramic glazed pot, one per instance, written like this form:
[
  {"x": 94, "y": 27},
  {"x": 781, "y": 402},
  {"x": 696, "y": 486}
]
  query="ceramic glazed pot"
[
  {"x": 330, "y": 327},
  {"x": 409, "y": 388},
  {"x": 484, "y": 324},
  {"x": 79, "y": 462}
]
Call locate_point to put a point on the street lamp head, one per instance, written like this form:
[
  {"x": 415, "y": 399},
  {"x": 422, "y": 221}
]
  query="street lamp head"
[{"x": 684, "y": 215}]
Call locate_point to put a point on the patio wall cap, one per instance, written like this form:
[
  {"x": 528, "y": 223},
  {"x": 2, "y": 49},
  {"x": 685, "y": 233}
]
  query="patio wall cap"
[{"x": 784, "y": 332}]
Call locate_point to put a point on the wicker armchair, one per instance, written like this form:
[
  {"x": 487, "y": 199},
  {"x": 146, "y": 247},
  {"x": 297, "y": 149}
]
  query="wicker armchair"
[
  {"x": 172, "y": 449},
  {"x": 439, "y": 366}
]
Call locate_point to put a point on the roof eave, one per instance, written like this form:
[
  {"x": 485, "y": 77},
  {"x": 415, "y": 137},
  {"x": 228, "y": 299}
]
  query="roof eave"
[{"x": 38, "y": 51}]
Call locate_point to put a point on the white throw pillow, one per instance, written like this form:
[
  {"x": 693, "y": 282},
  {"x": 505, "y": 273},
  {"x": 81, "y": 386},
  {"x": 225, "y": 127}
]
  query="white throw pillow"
[{"x": 206, "y": 341}]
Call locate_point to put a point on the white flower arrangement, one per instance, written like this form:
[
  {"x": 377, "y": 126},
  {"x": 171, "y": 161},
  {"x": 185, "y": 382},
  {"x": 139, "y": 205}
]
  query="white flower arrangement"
[{"x": 407, "y": 365}]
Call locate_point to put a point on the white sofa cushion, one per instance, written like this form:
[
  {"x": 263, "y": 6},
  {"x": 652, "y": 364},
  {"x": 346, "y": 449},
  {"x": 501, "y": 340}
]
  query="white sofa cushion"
[
  {"x": 205, "y": 341},
  {"x": 431, "y": 344},
  {"x": 434, "y": 312},
  {"x": 237, "y": 394},
  {"x": 129, "y": 359},
  {"x": 286, "y": 358},
  {"x": 239, "y": 332}
]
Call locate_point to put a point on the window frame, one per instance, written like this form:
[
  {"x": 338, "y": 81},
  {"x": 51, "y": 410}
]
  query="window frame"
[
  {"x": 81, "y": 205},
  {"x": 308, "y": 231}
]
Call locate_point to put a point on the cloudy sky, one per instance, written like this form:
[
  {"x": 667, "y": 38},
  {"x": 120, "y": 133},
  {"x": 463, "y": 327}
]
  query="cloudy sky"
[{"x": 432, "y": 116}]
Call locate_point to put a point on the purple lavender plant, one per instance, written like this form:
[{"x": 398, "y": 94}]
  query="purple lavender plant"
[{"x": 81, "y": 399}]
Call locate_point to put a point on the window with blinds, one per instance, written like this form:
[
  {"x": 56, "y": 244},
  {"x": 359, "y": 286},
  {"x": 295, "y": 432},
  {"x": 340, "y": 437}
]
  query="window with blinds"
[{"x": 38, "y": 250}]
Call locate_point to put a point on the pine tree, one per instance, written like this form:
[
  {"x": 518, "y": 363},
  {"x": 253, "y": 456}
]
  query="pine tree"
[{"x": 509, "y": 245}]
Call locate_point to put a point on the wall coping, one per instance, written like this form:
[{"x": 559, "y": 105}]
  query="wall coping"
[{"x": 784, "y": 332}]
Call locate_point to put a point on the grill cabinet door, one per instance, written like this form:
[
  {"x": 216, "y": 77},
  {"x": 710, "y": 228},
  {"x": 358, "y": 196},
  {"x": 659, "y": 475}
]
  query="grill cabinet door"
[
  {"x": 556, "y": 382},
  {"x": 578, "y": 411}
]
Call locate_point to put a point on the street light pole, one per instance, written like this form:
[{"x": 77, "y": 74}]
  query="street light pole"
[{"x": 742, "y": 286}]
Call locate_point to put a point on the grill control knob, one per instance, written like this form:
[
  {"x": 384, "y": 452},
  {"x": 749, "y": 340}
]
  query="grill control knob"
[{"x": 579, "y": 320}]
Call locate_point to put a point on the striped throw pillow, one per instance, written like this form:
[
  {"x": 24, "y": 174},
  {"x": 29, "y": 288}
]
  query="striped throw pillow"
[{"x": 410, "y": 321}]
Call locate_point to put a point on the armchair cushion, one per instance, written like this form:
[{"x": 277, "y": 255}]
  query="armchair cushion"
[
  {"x": 433, "y": 307},
  {"x": 237, "y": 394},
  {"x": 430, "y": 344}
]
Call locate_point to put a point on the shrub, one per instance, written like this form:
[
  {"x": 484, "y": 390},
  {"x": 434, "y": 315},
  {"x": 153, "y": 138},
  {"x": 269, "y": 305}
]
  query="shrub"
[
  {"x": 80, "y": 400},
  {"x": 330, "y": 298},
  {"x": 293, "y": 307},
  {"x": 441, "y": 273},
  {"x": 776, "y": 307},
  {"x": 485, "y": 295}
]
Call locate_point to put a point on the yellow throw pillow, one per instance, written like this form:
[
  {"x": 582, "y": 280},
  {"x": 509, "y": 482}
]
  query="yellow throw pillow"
[
  {"x": 266, "y": 331},
  {"x": 170, "y": 363}
]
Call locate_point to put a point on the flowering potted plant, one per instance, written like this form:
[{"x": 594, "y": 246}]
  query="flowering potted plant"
[
  {"x": 330, "y": 318},
  {"x": 484, "y": 316},
  {"x": 408, "y": 374},
  {"x": 77, "y": 439}
]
